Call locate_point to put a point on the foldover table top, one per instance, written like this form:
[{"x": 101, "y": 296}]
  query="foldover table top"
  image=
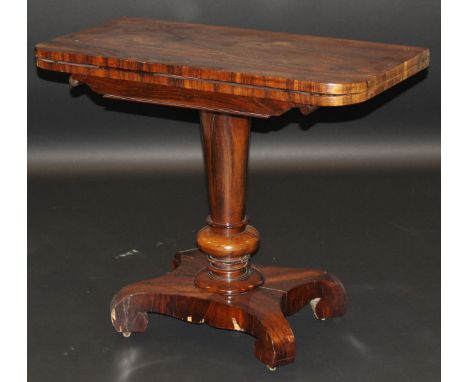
[{"x": 281, "y": 67}]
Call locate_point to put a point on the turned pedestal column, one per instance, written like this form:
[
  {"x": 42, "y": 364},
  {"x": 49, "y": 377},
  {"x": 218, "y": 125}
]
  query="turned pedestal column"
[{"x": 227, "y": 241}]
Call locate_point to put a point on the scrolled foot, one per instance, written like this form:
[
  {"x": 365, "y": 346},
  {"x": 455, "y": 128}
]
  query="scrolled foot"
[
  {"x": 323, "y": 291},
  {"x": 128, "y": 314},
  {"x": 275, "y": 344},
  {"x": 332, "y": 301}
]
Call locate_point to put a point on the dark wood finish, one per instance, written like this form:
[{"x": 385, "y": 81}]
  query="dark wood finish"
[
  {"x": 259, "y": 312},
  {"x": 307, "y": 109},
  {"x": 173, "y": 96},
  {"x": 227, "y": 240},
  {"x": 298, "y": 69},
  {"x": 230, "y": 75}
]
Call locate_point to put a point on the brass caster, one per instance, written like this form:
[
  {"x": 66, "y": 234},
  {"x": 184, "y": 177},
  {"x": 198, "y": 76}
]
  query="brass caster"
[{"x": 126, "y": 334}]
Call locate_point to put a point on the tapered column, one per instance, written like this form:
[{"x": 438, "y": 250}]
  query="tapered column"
[{"x": 227, "y": 240}]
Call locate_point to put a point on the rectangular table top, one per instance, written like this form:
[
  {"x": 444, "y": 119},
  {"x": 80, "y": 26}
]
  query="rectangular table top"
[{"x": 286, "y": 67}]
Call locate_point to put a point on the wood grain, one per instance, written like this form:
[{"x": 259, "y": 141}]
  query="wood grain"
[
  {"x": 260, "y": 312},
  {"x": 230, "y": 75},
  {"x": 300, "y": 69},
  {"x": 135, "y": 91},
  {"x": 227, "y": 240}
]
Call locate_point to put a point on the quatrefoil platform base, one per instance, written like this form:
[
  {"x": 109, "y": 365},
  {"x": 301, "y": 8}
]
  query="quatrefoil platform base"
[{"x": 259, "y": 312}]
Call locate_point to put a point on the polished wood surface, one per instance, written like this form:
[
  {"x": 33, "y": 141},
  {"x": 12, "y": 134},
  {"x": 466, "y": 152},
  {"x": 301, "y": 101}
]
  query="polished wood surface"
[
  {"x": 259, "y": 312},
  {"x": 298, "y": 69},
  {"x": 230, "y": 75},
  {"x": 135, "y": 91},
  {"x": 227, "y": 240}
]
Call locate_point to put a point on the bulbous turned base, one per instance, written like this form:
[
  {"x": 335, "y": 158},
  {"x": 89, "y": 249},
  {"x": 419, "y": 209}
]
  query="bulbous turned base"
[
  {"x": 259, "y": 312},
  {"x": 221, "y": 243},
  {"x": 205, "y": 280},
  {"x": 228, "y": 252}
]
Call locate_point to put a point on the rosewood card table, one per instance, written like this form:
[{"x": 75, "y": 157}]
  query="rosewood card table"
[{"x": 230, "y": 75}]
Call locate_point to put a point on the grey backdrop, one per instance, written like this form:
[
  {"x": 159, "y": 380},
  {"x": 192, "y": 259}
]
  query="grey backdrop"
[
  {"x": 377, "y": 230},
  {"x": 76, "y": 131}
]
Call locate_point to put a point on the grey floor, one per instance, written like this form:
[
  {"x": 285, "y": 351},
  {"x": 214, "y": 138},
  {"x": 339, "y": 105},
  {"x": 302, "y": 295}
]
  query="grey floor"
[{"x": 379, "y": 232}]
